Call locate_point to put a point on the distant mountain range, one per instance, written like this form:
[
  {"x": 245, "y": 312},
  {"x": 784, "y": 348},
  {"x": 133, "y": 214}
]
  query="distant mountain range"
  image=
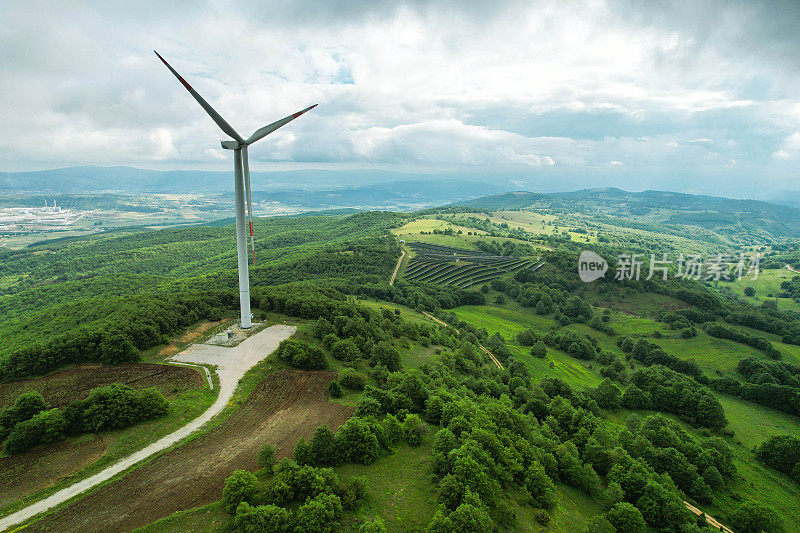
[
  {"x": 126, "y": 180},
  {"x": 723, "y": 215}
]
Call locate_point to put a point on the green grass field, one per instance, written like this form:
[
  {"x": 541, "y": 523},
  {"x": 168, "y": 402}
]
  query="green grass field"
[
  {"x": 400, "y": 489},
  {"x": 768, "y": 282}
]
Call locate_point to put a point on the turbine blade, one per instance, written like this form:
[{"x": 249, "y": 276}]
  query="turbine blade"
[
  {"x": 246, "y": 165},
  {"x": 224, "y": 126},
  {"x": 266, "y": 130}
]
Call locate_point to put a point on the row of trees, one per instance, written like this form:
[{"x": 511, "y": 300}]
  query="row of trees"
[
  {"x": 30, "y": 422},
  {"x": 715, "y": 329},
  {"x": 781, "y": 452},
  {"x": 772, "y": 384},
  {"x": 106, "y": 331},
  {"x": 297, "y": 498}
]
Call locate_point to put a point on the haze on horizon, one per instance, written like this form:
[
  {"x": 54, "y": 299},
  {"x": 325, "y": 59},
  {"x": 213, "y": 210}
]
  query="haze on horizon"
[{"x": 693, "y": 97}]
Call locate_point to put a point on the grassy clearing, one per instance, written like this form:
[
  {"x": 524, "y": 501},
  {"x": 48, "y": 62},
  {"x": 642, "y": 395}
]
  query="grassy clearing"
[
  {"x": 573, "y": 513},
  {"x": 509, "y": 322},
  {"x": 768, "y": 282},
  {"x": 209, "y": 518},
  {"x": 400, "y": 489}
]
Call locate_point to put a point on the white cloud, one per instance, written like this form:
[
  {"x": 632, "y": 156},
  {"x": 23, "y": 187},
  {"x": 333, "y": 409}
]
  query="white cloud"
[
  {"x": 438, "y": 83},
  {"x": 790, "y": 149}
]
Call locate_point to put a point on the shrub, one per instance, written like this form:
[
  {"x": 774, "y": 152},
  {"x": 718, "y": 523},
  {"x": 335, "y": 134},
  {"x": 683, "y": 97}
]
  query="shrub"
[
  {"x": 335, "y": 390},
  {"x": 540, "y": 487},
  {"x": 251, "y": 519},
  {"x": 368, "y": 408},
  {"x": 152, "y": 404},
  {"x": 626, "y": 517},
  {"x": 111, "y": 407},
  {"x": 752, "y": 517},
  {"x": 356, "y": 442},
  {"x": 44, "y": 428},
  {"x": 373, "y": 526},
  {"x": 323, "y": 447},
  {"x": 385, "y": 354},
  {"x": 345, "y": 350},
  {"x": 300, "y": 354},
  {"x": 239, "y": 487},
  {"x": 302, "y": 452},
  {"x": 539, "y": 349},
  {"x": 353, "y": 380},
  {"x": 25, "y": 407},
  {"x": 266, "y": 457},
  {"x": 413, "y": 430},
  {"x": 392, "y": 428},
  {"x": 320, "y": 514}
]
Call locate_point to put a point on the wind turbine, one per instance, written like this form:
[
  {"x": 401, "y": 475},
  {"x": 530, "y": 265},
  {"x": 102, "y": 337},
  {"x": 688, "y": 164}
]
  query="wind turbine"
[{"x": 242, "y": 186}]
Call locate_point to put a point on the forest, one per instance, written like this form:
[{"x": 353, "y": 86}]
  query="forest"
[{"x": 585, "y": 397}]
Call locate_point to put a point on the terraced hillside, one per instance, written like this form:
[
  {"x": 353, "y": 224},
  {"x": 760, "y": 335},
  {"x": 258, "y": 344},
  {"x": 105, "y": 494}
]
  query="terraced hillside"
[{"x": 458, "y": 267}]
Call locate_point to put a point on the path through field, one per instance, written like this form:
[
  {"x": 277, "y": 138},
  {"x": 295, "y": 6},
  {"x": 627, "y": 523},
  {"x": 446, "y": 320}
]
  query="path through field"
[
  {"x": 397, "y": 268},
  {"x": 232, "y": 363},
  {"x": 490, "y": 354}
]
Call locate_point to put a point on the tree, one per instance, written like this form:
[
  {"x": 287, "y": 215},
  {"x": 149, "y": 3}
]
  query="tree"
[
  {"x": 540, "y": 487},
  {"x": 345, "y": 350},
  {"x": 752, "y": 517},
  {"x": 385, "y": 354},
  {"x": 781, "y": 452},
  {"x": 527, "y": 337},
  {"x": 25, "y": 407},
  {"x": 320, "y": 514},
  {"x": 356, "y": 442},
  {"x": 266, "y": 457},
  {"x": 302, "y": 452},
  {"x": 539, "y": 349},
  {"x": 714, "y": 479},
  {"x": 323, "y": 447},
  {"x": 607, "y": 395},
  {"x": 469, "y": 518},
  {"x": 626, "y": 517},
  {"x": 44, "y": 428},
  {"x": 335, "y": 390},
  {"x": 392, "y": 428},
  {"x": 636, "y": 398},
  {"x": 323, "y": 328},
  {"x": 749, "y": 291},
  {"x": 413, "y": 429},
  {"x": 262, "y": 518},
  {"x": 541, "y": 308},
  {"x": 239, "y": 487}
]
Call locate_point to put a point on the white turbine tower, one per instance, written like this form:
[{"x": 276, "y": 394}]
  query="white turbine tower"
[{"x": 242, "y": 186}]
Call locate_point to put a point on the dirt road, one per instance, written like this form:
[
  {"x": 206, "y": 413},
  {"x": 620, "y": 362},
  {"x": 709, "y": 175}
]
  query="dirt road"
[
  {"x": 285, "y": 406},
  {"x": 232, "y": 363},
  {"x": 490, "y": 354},
  {"x": 397, "y": 268}
]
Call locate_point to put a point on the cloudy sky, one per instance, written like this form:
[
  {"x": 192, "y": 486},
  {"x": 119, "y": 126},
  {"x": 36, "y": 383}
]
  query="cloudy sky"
[{"x": 696, "y": 97}]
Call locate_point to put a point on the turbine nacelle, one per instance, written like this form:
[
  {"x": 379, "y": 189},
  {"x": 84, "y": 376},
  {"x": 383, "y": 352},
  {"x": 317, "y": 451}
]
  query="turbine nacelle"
[{"x": 231, "y": 145}]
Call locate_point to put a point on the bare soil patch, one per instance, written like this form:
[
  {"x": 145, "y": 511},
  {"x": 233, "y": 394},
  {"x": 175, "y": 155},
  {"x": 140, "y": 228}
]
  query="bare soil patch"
[
  {"x": 285, "y": 406},
  {"x": 66, "y": 385},
  {"x": 28, "y": 473},
  {"x": 190, "y": 336}
]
